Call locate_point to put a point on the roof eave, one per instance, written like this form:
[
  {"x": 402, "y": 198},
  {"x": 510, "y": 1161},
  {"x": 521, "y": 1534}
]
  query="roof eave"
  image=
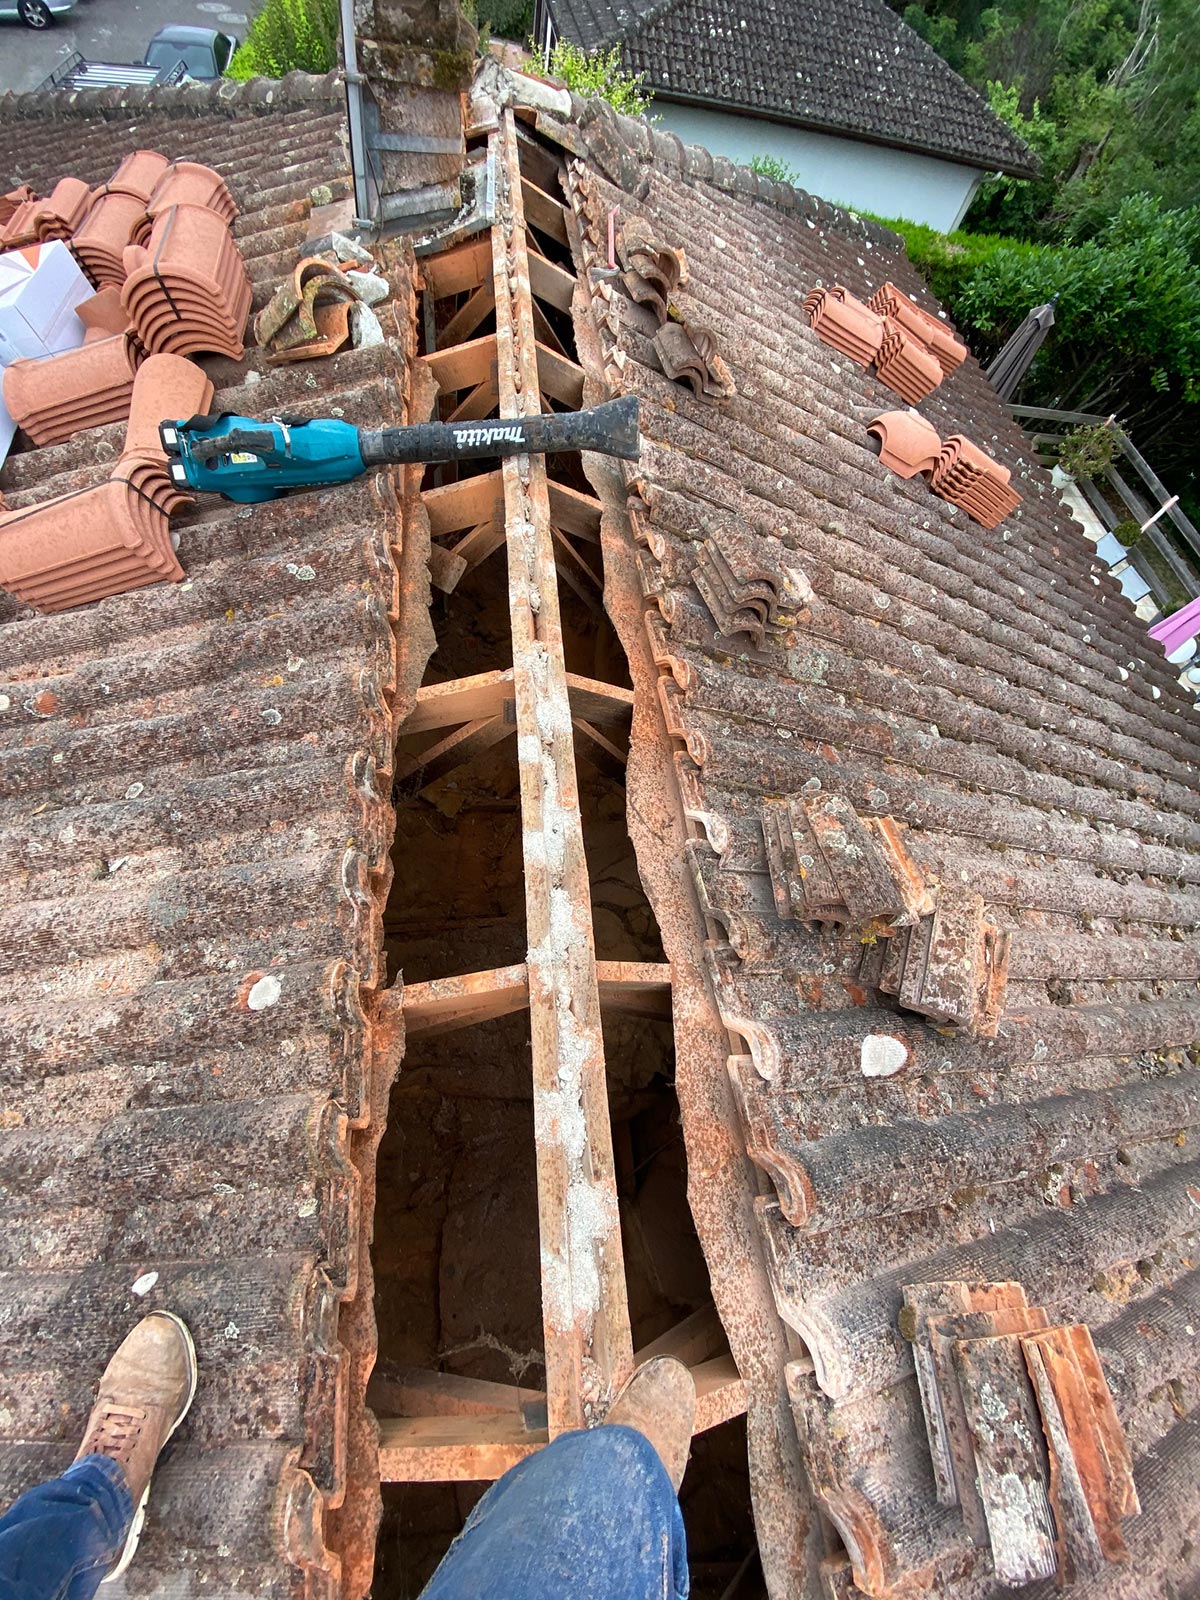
[{"x": 789, "y": 119}]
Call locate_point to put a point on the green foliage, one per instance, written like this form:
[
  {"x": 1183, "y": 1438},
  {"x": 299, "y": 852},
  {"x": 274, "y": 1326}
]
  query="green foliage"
[
  {"x": 499, "y": 19},
  {"x": 1129, "y": 300},
  {"x": 1128, "y": 532},
  {"x": 1126, "y": 337},
  {"x": 1107, "y": 92},
  {"x": 773, "y": 167},
  {"x": 599, "y": 73},
  {"x": 1090, "y": 451},
  {"x": 286, "y": 35}
]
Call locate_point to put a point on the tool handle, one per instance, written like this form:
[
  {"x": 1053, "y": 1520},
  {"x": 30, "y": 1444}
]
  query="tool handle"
[
  {"x": 610, "y": 429},
  {"x": 255, "y": 441}
]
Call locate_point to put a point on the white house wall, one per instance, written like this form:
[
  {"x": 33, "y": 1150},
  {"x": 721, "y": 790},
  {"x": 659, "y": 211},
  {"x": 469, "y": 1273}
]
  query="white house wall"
[{"x": 863, "y": 177}]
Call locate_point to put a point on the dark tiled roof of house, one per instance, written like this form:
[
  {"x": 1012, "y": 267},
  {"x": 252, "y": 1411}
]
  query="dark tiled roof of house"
[
  {"x": 994, "y": 693},
  {"x": 848, "y": 67},
  {"x": 196, "y": 817}
]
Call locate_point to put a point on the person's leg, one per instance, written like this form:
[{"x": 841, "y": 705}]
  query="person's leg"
[
  {"x": 62, "y": 1539},
  {"x": 593, "y": 1516},
  {"x": 58, "y": 1541}
]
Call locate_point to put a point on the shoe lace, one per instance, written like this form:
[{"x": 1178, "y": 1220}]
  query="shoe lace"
[{"x": 115, "y": 1432}]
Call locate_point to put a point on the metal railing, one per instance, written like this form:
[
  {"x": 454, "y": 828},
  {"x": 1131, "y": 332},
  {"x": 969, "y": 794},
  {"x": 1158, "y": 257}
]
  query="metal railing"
[{"x": 1141, "y": 494}]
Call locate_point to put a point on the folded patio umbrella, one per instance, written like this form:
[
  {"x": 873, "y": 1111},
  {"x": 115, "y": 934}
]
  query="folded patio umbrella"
[{"x": 1013, "y": 361}]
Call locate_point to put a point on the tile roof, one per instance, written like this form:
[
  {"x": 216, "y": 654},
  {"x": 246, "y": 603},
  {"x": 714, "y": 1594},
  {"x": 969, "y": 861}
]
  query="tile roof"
[
  {"x": 195, "y": 815},
  {"x": 850, "y": 67},
  {"x": 995, "y": 695}
]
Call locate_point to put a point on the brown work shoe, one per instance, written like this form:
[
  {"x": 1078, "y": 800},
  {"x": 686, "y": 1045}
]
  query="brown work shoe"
[
  {"x": 660, "y": 1402},
  {"x": 144, "y": 1395}
]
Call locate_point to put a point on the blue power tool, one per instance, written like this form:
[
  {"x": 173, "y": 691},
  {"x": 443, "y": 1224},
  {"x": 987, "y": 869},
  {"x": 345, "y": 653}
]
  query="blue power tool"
[{"x": 247, "y": 460}]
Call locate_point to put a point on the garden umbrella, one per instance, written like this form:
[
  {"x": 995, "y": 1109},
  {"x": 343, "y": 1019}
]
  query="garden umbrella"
[{"x": 1012, "y": 363}]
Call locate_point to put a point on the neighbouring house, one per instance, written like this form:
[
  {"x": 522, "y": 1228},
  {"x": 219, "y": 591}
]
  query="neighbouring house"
[
  {"x": 864, "y": 112},
  {"x": 415, "y": 971}
]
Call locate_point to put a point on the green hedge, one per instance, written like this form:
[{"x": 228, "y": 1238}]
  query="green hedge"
[
  {"x": 289, "y": 35},
  {"x": 1126, "y": 337},
  {"x": 1128, "y": 312}
]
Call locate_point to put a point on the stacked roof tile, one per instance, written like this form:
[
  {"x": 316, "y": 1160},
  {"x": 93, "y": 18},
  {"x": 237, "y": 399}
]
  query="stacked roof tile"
[
  {"x": 957, "y": 470},
  {"x": 195, "y": 822},
  {"x": 52, "y": 397},
  {"x": 56, "y": 216},
  {"x": 89, "y": 543},
  {"x": 996, "y": 701},
  {"x": 186, "y": 290}
]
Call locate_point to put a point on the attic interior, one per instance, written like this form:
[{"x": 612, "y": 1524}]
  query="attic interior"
[{"x": 456, "y": 1252}]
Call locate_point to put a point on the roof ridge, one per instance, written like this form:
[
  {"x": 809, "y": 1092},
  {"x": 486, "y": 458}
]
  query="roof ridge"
[
  {"x": 785, "y": 73},
  {"x": 651, "y": 146},
  {"x": 623, "y": 148},
  {"x": 192, "y": 98}
]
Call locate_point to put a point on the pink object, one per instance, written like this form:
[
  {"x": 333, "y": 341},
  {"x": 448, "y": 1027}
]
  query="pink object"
[{"x": 1173, "y": 631}]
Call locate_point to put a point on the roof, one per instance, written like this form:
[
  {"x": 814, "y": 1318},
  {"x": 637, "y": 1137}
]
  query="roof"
[
  {"x": 852, "y": 68},
  {"x": 995, "y": 695},
  {"x": 195, "y": 814}
]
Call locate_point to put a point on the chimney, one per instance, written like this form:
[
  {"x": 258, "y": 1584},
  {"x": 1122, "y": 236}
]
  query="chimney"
[{"x": 414, "y": 62}]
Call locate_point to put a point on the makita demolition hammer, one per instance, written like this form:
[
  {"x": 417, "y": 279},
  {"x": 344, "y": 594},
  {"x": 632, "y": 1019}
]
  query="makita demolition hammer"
[{"x": 247, "y": 460}]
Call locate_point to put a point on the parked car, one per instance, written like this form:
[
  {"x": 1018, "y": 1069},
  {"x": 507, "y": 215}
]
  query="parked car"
[
  {"x": 204, "y": 52},
  {"x": 35, "y": 13}
]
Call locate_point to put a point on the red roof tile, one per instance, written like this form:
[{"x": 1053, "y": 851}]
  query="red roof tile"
[
  {"x": 994, "y": 694},
  {"x": 195, "y": 819}
]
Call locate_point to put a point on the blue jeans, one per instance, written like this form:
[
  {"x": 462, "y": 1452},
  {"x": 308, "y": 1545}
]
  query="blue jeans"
[
  {"x": 593, "y": 1516},
  {"x": 58, "y": 1541}
]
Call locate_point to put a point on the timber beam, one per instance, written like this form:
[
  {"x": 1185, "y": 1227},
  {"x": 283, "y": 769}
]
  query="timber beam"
[
  {"x": 442, "y": 1005},
  {"x": 487, "y": 694}
]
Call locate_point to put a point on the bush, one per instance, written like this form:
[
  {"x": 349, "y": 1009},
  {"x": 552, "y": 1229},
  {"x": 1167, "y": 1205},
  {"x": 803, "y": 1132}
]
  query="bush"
[
  {"x": 1128, "y": 312},
  {"x": 1089, "y": 452},
  {"x": 1126, "y": 337},
  {"x": 597, "y": 73},
  {"x": 287, "y": 35},
  {"x": 501, "y": 19},
  {"x": 773, "y": 167}
]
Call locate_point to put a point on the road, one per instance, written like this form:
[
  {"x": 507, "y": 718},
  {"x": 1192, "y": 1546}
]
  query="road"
[{"x": 103, "y": 30}]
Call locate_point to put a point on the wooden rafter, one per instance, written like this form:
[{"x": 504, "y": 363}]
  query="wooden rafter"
[
  {"x": 452, "y": 1429},
  {"x": 416, "y": 1392},
  {"x": 557, "y": 376},
  {"x": 551, "y": 283},
  {"x": 479, "y": 403},
  {"x": 467, "y": 743},
  {"x": 463, "y": 366},
  {"x": 453, "y": 1449},
  {"x": 465, "y": 504},
  {"x": 486, "y": 694},
  {"x": 575, "y": 513},
  {"x": 544, "y": 212},
  {"x": 595, "y": 747},
  {"x": 469, "y": 315},
  {"x": 458, "y": 270},
  {"x": 585, "y": 1310},
  {"x": 475, "y": 547},
  {"x": 443, "y": 1005}
]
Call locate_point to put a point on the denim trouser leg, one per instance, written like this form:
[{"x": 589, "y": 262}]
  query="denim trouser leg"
[
  {"x": 58, "y": 1541},
  {"x": 593, "y": 1516}
]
